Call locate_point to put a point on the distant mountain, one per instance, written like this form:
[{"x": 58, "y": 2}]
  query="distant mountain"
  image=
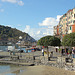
[
  {"x": 12, "y": 34},
  {"x": 29, "y": 38}
]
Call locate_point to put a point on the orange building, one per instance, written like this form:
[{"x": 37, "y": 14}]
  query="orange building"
[{"x": 73, "y": 28}]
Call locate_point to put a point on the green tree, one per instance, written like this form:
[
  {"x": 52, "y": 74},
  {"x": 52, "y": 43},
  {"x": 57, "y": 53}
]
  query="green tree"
[
  {"x": 49, "y": 41},
  {"x": 69, "y": 40}
]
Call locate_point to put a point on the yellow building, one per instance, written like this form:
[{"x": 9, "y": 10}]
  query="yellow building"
[
  {"x": 55, "y": 30},
  {"x": 63, "y": 25},
  {"x": 66, "y": 24},
  {"x": 71, "y": 20}
]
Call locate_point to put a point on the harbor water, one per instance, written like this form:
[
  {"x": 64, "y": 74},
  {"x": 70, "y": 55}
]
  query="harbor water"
[{"x": 11, "y": 69}]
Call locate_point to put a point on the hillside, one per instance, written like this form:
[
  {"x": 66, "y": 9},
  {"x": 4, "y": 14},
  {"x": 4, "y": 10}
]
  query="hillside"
[{"x": 8, "y": 33}]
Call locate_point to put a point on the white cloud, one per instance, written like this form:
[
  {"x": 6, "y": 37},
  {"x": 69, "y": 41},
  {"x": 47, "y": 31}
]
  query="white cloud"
[
  {"x": 1, "y": 10},
  {"x": 38, "y": 32},
  {"x": 34, "y": 32},
  {"x": 45, "y": 28},
  {"x": 19, "y": 2},
  {"x": 58, "y": 17},
  {"x": 27, "y": 29},
  {"x": 11, "y": 1},
  {"x": 50, "y": 21}
]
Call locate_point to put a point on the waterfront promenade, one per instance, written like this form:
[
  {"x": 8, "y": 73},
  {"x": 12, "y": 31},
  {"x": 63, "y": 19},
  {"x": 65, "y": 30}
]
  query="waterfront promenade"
[
  {"x": 32, "y": 57},
  {"x": 42, "y": 65},
  {"x": 36, "y": 58},
  {"x": 25, "y": 59}
]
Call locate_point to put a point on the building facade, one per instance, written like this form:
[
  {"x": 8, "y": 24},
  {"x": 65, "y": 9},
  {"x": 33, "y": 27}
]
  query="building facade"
[
  {"x": 56, "y": 30},
  {"x": 66, "y": 24}
]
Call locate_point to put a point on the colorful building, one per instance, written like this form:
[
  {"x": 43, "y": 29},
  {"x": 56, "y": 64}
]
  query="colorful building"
[
  {"x": 66, "y": 24},
  {"x": 56, "y": 31}
]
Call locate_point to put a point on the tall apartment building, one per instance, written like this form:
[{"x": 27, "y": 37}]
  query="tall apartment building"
[
  {"x": 66, "y": 23},
  {"x": 71, "y": 21}
]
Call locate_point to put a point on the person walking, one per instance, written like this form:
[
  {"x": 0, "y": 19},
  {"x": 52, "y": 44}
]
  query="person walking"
[
  {"x": 73, "y": 52},
  {"x": 42, "y": 52}
]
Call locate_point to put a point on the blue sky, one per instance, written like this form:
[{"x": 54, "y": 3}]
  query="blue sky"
[{"x": 35, "y": 17}]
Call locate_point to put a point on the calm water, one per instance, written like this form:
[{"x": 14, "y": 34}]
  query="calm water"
[{"x": 11, "y": 69}]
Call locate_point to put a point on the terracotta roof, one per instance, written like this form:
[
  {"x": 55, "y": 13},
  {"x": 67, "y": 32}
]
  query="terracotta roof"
[{"x": 70, "y": 10}]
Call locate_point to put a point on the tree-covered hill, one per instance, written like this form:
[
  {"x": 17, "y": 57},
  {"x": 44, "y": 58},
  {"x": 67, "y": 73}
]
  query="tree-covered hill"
[{"x": 11, "y": 33}]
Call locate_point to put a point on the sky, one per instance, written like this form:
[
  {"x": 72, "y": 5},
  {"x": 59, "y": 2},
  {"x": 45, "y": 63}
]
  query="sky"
[{"x": 35, "y": 17}]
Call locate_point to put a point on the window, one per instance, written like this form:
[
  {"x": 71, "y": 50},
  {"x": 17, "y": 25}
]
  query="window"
[
  {"x": 70, "y": 27},
  {"x": 71, "y": 13},
  {"x": 74, "y": 21},
  {"x": 74, "y": 15}
]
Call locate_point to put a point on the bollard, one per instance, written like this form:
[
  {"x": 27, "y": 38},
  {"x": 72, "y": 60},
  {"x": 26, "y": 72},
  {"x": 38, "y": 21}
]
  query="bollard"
[{"x": 33, "y": 57}]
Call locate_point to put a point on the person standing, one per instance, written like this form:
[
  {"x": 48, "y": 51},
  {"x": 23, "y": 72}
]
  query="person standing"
[
  {"x": 42, "y": 52},
  {"x": 73, "y": 52}
]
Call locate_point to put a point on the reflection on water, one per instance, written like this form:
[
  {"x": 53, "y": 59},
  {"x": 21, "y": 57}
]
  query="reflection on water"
[
  {"x": 15, "y": 72},
  {"x": 10, "y": 74},
  {"x": 10, "y": 70},
  {"x": 4, "y": 68}
]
